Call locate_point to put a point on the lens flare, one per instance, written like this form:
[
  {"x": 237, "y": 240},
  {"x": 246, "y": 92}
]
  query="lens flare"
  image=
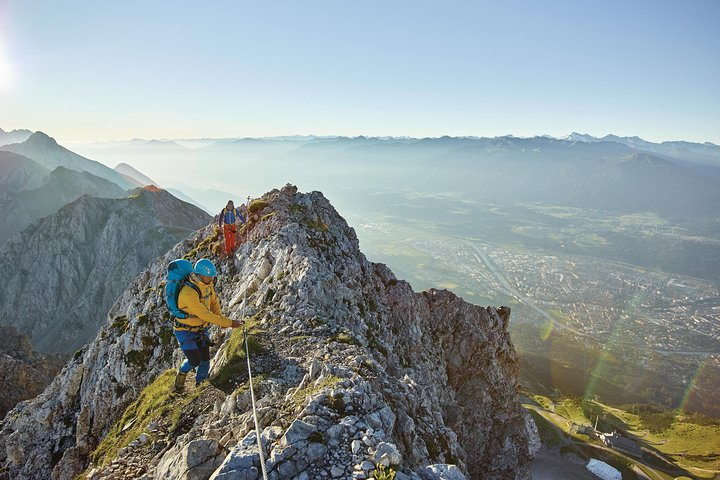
[
  {"x": 546, "y": 330},
  {"x": 596, "y": 375},
  {"x": 692, "y": 388},
  {"x": 607, "y": 359}
]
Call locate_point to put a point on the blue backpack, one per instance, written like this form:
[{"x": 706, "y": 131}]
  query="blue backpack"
[{"x": 177, "y": 275}]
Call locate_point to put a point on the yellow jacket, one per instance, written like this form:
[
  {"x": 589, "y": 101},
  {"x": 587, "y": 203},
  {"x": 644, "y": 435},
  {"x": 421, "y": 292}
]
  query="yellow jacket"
[{"x": 203, "y": 309}]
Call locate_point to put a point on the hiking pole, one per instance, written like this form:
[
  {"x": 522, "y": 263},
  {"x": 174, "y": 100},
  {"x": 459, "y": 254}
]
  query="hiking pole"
[{"x": 252, "y": 393}]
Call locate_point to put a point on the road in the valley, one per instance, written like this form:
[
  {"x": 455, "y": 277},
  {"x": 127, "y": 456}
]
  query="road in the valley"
[{"x": 485, "y": 260}]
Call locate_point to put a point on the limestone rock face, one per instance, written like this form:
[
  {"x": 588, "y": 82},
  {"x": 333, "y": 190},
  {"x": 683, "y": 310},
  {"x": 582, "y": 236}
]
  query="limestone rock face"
[
  {"x": 63, "y": 273},
  {"x": 353, "y": 372},
  {"x": 198, "y": 459},
  {"x": 23, "y": 373}
]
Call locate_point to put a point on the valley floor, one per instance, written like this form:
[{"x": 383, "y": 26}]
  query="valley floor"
[{"x": 564, "y": 448}]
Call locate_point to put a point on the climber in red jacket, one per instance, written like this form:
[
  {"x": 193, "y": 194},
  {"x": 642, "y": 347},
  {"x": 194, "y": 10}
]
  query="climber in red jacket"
[{"x": 227, "y": 221}]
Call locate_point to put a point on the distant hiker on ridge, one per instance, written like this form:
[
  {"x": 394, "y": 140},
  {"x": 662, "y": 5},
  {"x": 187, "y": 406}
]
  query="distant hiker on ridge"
[
  {"x": 198, "y": 299},
  {"x": 227, "y": 220}
]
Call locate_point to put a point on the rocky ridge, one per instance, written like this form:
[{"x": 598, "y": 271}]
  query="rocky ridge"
[{"x": 353, "y": 371}]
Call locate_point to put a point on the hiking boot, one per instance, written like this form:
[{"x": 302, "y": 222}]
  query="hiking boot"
[{"x": 180, "y": 381}]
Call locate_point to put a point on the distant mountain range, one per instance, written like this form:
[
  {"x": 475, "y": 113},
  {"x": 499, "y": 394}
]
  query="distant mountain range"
[
  {"x": 602, "y": 175},
  {"x": 701, "y": 158},
  {"x": 134, "y": 175},
  {"x": 612, "y": 173},
  {"x": 14, "y": 136},
  {"x": 44, "y": 150}
]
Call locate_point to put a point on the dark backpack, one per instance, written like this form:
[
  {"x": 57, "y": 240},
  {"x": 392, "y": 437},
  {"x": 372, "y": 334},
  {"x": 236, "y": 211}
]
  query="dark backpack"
[{"x": 177, "y": 276}]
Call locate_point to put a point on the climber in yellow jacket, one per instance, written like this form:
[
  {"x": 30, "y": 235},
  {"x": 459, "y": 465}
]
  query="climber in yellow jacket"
[{"x": 198, "y": 299}]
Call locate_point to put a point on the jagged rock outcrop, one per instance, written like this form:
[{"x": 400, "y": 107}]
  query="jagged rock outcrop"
[
  {"x": 63, "y": 273},
  {"x": 23, "y": 373},
  {"x": 353, "y": 370}
]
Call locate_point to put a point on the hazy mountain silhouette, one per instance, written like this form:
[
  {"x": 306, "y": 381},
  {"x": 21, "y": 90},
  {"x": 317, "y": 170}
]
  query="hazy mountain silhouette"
[
  {"x": 59, "y": 187},
  {"x": 45, "y": 150},
  {"x": 134, "y": 175},
  {"x": 701, "y": 158},
  {"x": 609, "y": 173},
  {"x": 602, "y": 175},
  {"x": 19, "y": 173},
  {"x": 186, "y": 198},
  {"x": 14, "y": 136}
]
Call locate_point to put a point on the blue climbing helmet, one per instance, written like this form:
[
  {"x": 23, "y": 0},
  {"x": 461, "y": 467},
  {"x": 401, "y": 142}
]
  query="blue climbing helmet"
[{"x": 205, "y": 267}]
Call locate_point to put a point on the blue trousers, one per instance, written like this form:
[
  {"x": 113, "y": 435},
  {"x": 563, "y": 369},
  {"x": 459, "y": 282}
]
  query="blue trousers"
[{"x": 196, "y": 348}]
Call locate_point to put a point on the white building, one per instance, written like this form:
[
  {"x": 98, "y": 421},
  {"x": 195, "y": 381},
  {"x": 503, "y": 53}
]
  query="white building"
[{"x": 603, "y": 470}]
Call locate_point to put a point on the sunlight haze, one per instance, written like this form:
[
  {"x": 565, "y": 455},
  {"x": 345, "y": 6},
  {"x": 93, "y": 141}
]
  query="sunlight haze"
[
  {"x": 455, "y": 240},
  {"x": 93, "y": 71}
]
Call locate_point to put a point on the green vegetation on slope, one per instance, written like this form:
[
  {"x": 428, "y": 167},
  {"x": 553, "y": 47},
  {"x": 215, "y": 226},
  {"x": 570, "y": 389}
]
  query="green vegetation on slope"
[
  {"x": 157, "y": 401},
  {"x": 689, "y": 441},
  {"x": 235, "y": 357}
]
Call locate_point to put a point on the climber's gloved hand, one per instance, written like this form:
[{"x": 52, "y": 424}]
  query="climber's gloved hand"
[{"x": 237, "y": 323}]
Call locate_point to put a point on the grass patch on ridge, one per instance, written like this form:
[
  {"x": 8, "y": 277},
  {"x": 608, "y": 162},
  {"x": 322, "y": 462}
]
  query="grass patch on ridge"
[
  {"x": 235, "y": 355},
  {"x": 299, "y": 397},
  {"x": 156, "y": 401}
]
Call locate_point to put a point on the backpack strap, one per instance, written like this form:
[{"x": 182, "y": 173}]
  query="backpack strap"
[
  {"x": 194, "y": 287},
  {"x": 177, "y": 322}
]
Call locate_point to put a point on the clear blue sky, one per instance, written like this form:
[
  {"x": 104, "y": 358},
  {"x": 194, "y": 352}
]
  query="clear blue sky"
[{"x": 83, "y": 70}]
